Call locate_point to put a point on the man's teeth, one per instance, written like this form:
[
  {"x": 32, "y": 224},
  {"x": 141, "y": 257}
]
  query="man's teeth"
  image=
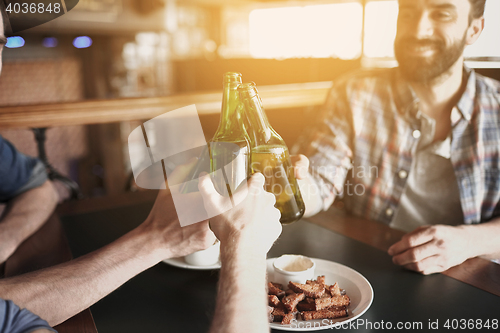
[{"x": 423, "y": 48}]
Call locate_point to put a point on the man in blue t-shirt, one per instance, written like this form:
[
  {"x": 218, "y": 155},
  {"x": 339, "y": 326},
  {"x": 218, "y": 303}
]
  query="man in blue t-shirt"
[{"x": 30, "y": 199}]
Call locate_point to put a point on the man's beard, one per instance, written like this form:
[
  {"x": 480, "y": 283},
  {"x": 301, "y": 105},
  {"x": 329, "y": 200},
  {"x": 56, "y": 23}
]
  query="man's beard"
[{"x": 426, "y": 69}]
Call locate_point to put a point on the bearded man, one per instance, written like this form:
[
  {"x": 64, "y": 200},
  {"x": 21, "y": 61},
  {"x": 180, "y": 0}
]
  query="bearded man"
[{"x": 418, "y": 145}]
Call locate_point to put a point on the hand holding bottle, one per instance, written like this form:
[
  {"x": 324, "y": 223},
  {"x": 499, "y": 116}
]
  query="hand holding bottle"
[
  {"x": 300, "y": 164},
  {"x": 254, "y": 221}
]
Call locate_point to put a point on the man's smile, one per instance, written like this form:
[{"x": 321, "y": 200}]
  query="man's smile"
[{"x": 422, "y": 50}]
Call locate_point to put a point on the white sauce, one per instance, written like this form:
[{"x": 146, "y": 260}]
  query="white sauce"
[{"x": 295, "y": 263}]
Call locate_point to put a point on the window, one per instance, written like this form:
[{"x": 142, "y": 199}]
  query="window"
[
  {"x": 335, "y": 30},
  {"x": 380, "y": 29},
  {"x": 318, "y": 31}
]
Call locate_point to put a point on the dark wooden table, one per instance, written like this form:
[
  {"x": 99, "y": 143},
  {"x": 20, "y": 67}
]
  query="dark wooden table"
[{"x": 170, "y": 299}]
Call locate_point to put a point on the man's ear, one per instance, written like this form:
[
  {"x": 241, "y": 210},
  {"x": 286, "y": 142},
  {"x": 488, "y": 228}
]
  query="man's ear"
[{"x": 474, "y": 30}]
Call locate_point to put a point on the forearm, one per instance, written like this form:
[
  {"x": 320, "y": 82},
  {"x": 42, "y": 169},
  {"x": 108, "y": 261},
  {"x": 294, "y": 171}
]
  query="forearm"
[
  {"x": 484, "y": 239},
  {"x": 26, "y": 213},
  {"x": 241, "y": 300},
  {"x": 58, "y": 293}
]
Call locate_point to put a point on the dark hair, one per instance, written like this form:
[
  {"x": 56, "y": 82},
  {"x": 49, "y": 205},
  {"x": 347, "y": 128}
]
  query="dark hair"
[
  {"x": 476, "y": 9},
  {"x": 6, "y": 22}
]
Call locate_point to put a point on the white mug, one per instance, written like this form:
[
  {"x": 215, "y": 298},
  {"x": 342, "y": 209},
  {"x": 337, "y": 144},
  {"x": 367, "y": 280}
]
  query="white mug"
[{"x": 205, "y": 257}]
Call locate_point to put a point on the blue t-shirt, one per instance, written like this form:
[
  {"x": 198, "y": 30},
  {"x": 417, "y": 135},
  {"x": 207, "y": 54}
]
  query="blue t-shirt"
[
  {"x": 15, "y": 320},
  {"x": 18, "y": 172}
]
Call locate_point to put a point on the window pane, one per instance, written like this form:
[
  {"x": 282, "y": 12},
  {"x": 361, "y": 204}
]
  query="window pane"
[
  {"x": 380, "y": 28},
  {"x": 332, "y": 30}
]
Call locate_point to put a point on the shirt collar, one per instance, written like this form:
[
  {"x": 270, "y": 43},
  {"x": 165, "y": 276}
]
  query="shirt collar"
[
  {"x": 466, "y": 103},
  {"x": 407, "y": 101}
]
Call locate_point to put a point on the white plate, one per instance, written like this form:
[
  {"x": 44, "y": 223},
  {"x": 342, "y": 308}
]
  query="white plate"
[
  {"x": 179, "y": 262},
  {"x": 356, "y": 286}
]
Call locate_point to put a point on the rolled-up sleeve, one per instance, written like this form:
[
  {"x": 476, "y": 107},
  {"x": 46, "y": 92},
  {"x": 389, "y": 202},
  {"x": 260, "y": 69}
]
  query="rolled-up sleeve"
[
  {"x": 328, "y": 146},
  {"x": 18, "y": 172},
  {"x": 16, "y": 320}
]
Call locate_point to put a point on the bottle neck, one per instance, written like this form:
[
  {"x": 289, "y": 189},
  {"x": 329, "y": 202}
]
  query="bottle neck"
[
  {"x": 230, "y": 99},
  {"x": 230, "y": 125},
  {"x": 256, "y": 122}
]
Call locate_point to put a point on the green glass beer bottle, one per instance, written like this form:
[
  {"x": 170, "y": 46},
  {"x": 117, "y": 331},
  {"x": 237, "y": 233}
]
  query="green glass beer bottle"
[
  {"x": 269, "y": 155},
  {"x": 230, "y": 146}
]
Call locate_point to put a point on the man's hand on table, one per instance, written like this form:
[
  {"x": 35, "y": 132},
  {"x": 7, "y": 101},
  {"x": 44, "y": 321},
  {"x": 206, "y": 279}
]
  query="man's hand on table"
[{"x": 432, "y": 249}]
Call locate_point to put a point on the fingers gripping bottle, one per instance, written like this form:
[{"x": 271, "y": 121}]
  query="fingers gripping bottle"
[{"x": 269, "y": 155}]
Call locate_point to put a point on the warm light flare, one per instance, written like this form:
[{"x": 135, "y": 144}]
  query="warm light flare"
[
  {"x": 380, "y": 28},
  {"x": 332, "y": 30}
]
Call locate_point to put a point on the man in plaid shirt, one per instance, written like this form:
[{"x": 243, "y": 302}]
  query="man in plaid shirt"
[{"x": 416, "y": 147}]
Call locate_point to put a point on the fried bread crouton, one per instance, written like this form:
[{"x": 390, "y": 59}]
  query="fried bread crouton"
[
  {"x": 304, "y": 306},
  {"x": 273, "y": 300},
  {"x": 272, "y": 289},
  {"x": 292, "y": 300},
  {"x": 320, "y": 280},
  {"x": 287, "y": 319},
  {"x": 279, "y": 312},
  {"x": 334, "y": 290},
  {"x": 309, "y": 300},
  {"x": 278, "y": 285},
  {"x": 327, "y": 302},
  {"x": 315, "y": 290},
  {"x": 329, "y": 313}
]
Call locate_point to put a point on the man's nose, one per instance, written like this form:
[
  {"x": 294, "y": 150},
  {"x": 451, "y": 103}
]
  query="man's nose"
[{"x": 424, "y": 27}]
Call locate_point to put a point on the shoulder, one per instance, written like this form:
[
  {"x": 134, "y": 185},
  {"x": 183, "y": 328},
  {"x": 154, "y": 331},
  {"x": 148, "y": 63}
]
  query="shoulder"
[
  {"x": 487, "y": 86},
  {"x": 487, "y": 99},
  {"x": 18, "y": 172}
]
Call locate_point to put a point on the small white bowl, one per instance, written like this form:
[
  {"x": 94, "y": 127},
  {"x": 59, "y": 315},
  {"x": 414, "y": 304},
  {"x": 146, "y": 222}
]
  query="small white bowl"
[
  {"x": 295, "y": 268},
  {"x": 205, "y": 257}
]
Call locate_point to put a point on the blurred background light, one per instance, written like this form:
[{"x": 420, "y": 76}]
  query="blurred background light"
[
  {"x": 82, "y": 42},
  {"x": 380, "y": 28},
  {"x": 15, "y": 42},
  {"x": 50, "y": 42},
  {"x": 316, "y": 31}
]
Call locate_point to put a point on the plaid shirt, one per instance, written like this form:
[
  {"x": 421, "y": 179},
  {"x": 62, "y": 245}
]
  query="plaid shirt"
[{"x": 363, "y": 146}]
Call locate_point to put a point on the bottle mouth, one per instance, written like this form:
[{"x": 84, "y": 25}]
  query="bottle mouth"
[
  {"x": 248, "y": 88},
  {"x": 231, "y": 77}
]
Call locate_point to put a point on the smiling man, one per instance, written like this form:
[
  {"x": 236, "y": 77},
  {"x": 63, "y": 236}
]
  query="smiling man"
[{"x": 418, "y": 145}]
